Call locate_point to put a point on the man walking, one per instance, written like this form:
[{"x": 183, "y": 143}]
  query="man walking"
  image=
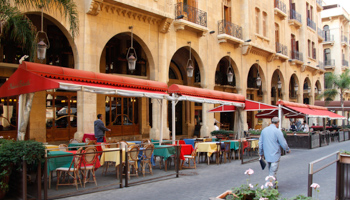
[
  {"x": 100, "y": 128},
  {"x": 271, "y": 138}
]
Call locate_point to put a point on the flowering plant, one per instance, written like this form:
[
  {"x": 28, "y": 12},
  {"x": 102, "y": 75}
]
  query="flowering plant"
[{"x": 315, "y": 186}]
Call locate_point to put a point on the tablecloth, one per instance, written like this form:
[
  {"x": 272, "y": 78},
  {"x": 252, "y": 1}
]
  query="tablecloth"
[
  {"x": 54, "y": 163},
  {"x": 186, "y": 149},
  {"x": 134, "y": 142},
  {"x": 113, "y": 156},
  {"x": 91, "y": 136},
  {"x": 190, "y": 141},
  {"x": 208, "y": 147},
  {"x": 52, "y": 147},
  {"x": 164, "y": 151},
  {"x": 254, "y": 143},
  {"x": 234, "y": 144},
  {"x": 76, "y": 145}
]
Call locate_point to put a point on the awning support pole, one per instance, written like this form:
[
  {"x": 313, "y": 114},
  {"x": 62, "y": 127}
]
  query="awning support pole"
[
  {"x": 20, "y": 117},
  {"x": 173, "y": 104},
  {"x": 161, "y": 122},
  {"x": 280, "y": 116}
]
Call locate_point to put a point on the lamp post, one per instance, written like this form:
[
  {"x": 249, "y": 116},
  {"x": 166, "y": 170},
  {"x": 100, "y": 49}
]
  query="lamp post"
[
  {"x": 41, "y": 45},
  {"x": 130, "y": 54},
  {"x": 229, "y": 72},
  {"x": 189, "y": 66}
]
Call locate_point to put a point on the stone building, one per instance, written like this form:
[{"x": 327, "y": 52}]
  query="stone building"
[{"x": 278, "y": 42}]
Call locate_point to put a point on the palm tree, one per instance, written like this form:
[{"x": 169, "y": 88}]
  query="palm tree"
[
  {"x": 18, "y": 29},
  {"x": 336, "y": 84}
]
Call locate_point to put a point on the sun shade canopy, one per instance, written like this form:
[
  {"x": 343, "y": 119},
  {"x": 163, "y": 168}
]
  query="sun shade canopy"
[
  {"x": 34, "y": 77},
  {"x": 334, "y": 105},
  {"x": 205, "y": 96},
  {"x": 249, "y": 106}
]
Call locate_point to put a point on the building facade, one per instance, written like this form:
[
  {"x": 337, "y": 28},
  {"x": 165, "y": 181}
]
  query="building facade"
[{"x": 278, "y": 42}]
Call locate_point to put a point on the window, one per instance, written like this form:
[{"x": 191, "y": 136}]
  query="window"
[
  {"x": 257, "y": 19},
  {"x": 265, "y": 24},
  {"x": 313, "y": 51},
  {"x": 326, "y": 33},
  {"x": 277, "y": 37},
  {"x": 121, "y": 110},
  {"x": 61, "y": 110},
  {"x": 327, "y": 56},
  {"x": 308, "y": 48}
]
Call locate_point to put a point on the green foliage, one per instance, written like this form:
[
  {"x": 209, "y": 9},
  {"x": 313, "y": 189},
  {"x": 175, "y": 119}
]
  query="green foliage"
[
  {"x": 244, "y": 191},
  {"x": 12, "y": 154},
  {"x": 299, "y": 197},
  {"x": 221, "y": 132},
  {"x": 254, "y": 132},
  {"x": 230, "y": 197},
  {"x": 345, "y": 152}
]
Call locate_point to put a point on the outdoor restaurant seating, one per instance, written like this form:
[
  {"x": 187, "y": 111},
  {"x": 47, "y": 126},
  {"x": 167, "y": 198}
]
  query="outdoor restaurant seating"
[
  {"x": 226, "y": 151},
  {"x": 146, "y": 158},
  {"x": 72, "y": 171},
  {"x": 63, "y": 147},
  {"x": 189, "y": 158},
  {"x": 132, "y": 161},
  {"x": 89, "y": 162},
  {"x": 75, "y": 141}
]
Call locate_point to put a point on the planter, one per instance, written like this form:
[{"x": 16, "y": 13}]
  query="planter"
[
  {"x": 225, "y": 194},
  {"x": 345, "y": 158}
]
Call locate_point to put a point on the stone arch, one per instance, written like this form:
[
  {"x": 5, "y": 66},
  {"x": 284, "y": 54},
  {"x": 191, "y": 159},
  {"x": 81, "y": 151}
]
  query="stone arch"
[
  {"x": 292, "y": 81},
  {"x": 221, "y": 72},
  {"x": 277, "y": 76},
  {"x": 252, "y": 75}
]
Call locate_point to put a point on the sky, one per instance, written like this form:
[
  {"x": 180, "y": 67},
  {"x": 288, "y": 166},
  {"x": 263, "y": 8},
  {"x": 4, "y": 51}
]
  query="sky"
[{"x": 344, "y": 3}]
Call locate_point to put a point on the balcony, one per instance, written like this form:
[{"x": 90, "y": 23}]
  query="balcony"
[
  {"x": 281, "y": 51},
  {"x": 229, "y": 32},
  {"x": 345, "y": 64},
  {"x": 344, "y": 40},
  {"x": 328, "y": 38},
  {"x": 319, "y": 5},
  {"x": 294, "y": 19},
  {"x": 191, "y": 18},
  {"x": 320, "y": 34},
  {"x": 296, "y": 56},
  {"x": 280, "y": 9},
  {"x": 320, "y": 65},
  {"x": 329, "y": 64},
  {"x": 311, "y": 24}
]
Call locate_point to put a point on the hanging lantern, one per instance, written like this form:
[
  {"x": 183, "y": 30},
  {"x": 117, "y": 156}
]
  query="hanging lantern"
[
  {"x": 279, "y": 84},
  {"x": 41, "y": 50},
  {"x": 229, "y": 72},
  {"x": 258, "y": 81},
  {"x": 319, "y": 91},
  {"x": 296, "y": 87},
  {"x": 189, "y": 67},
  {"x": 130, "y": 54},
  {"x": 308, "y": 89},
  {"x": 230, "y": 77}
]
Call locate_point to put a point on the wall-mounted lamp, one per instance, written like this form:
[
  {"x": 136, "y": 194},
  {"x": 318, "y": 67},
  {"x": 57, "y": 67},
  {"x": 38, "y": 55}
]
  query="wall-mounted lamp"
[
  {"x": 180, "y": 17},
  {"x": 212, "y": 32},
  {"x": 279, "y": 52},
  {"x": 249, "y": 40},
  {"x": 290, "y": 60}
]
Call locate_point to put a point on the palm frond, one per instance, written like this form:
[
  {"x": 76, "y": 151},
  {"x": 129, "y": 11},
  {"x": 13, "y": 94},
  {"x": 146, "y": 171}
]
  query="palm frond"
[
  {"x": 329, "y": 94},
  {"x": 67, "y": 8}
]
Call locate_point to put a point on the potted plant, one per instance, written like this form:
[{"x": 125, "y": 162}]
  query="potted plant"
[
  {"x": 12, "y": 154},
  {"x": 345, "y": 157},
  {"x": 221, "y": 134}
]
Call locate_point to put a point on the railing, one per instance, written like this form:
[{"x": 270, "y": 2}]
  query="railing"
[
  {"x": 311, "y": 24},
  {"x": 330, "y": 62},
  {"x": 328, "y": 37},
  {"x": 320, "y": 65},
  {"x": 280, "y": 5},
  {"x": 294, "y": 15},
  {"x": 191, "y": 14},
  {"x": 319, "y": 2},
  {"x": 280, "y": 48},
  {"x": 345, "y": 63},
  {"x": 296, "y": 55},
  {"x": 314, "y": 53},
  {"x": 225, "y": 27},
  {"x": 344, "y": 39},
  {"x": 320, "y": 32}
]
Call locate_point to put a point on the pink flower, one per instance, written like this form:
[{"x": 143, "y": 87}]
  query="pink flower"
[
  {"x": 251, "y": 186},
  {"x": 262, "y": 198},
  {"x": 249, "y": 172},
  {"x": 269, "y": 184},
  {"x": 315, "y": 186},
  {"x": 262, "y": 187},
  {"x": 270, "y": 177}
]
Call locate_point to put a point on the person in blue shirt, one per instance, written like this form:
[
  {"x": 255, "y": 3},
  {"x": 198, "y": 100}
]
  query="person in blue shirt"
[{"x": 271, "y": 139}]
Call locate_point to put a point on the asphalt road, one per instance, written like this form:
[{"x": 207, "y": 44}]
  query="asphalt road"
[{"x": 210, "y": 181}]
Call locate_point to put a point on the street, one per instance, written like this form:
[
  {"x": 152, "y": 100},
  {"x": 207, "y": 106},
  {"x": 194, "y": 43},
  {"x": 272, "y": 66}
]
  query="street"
[{"x": 210, "y": 181}]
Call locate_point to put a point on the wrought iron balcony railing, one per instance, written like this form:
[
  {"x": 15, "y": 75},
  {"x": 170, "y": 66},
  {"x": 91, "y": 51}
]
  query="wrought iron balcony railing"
[
  {"x": 320, "y": 65},
  {"x": 328, "y": 37},
  {"x": 191, "y": 14},
  {"x": 280, "y": 48},
  {"x": 296, "y": 55},
  {"x": 280, "y": 5},
  {"x": 320, "y": 32},
  {"x": 344, "y": 39},
  {"x": 330, "y": 62},
  {"x": 225, "y": 27},
  {"x": 311, "y": 24},
  {"x": 294, "y": 15},
  {"x": 345, "y": 63}
]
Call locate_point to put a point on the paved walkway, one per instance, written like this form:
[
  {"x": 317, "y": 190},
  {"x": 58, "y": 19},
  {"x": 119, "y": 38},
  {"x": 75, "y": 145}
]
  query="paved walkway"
[{"x": 210, "y": 181}]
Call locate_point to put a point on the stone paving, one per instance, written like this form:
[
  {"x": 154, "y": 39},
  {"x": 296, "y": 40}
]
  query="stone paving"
[{"x": 210, "y": 181}]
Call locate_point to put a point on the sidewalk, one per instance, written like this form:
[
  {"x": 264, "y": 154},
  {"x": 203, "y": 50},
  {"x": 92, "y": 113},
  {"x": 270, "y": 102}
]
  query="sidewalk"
[{"x": 210, "y": 181}]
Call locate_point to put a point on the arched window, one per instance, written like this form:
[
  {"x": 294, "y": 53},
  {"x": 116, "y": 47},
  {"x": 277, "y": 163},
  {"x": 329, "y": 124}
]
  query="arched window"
[
  {"x": 264, "y": 24},
  {"x": 327, "y": 57},
  {"x": 257, "y": 19},
  {"x": 327, "y": 33}
]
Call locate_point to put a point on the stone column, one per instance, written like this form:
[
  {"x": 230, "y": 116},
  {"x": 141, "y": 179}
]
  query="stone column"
[{"x": 86, "y": 115}]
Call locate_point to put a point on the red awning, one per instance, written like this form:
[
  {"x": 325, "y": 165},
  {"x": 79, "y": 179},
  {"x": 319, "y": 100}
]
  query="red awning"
[
  {"x": 288, "y": 113},
  {"x": 330, "y": 114},
  {"x": 205, "y": 95},
  {"x": 249, "y": 106},
  {"x": 34, "y": 77}
]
